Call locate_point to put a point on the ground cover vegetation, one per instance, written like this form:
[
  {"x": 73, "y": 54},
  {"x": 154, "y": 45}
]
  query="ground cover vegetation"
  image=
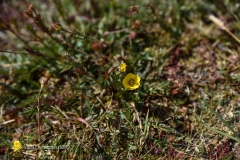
[{"x": 96, "y": 79}]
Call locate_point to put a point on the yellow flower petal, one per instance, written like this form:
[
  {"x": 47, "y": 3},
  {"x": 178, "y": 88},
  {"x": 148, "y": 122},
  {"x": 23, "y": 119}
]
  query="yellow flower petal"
[
  {"x": 17, "y": 146},
  {"x": 122, "y": 67},
  {"x": 131, "y": 81}
]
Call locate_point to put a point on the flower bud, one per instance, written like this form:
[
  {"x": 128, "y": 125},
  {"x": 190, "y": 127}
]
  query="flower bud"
[
  {"x": 134, "y": 9},
  {"x": 98, "y": 46},
  {"x": 29, "y": 10},
  {"x": 56, "y": 26},
  {"x": 136, "y": 24}
]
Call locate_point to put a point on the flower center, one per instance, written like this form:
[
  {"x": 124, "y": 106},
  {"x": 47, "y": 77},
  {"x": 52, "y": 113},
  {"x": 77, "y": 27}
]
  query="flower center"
[{"x": 131, "y": 82}]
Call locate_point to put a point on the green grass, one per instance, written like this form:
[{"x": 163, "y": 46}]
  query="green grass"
[{"x": 60, "y": 85}]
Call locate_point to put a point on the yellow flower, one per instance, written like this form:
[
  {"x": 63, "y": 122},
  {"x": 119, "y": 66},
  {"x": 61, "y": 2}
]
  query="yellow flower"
[
  {"x": 122, "y": 67},
  {"x": 17, "y": 146},
  {"x": 131, "y": 81}
]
